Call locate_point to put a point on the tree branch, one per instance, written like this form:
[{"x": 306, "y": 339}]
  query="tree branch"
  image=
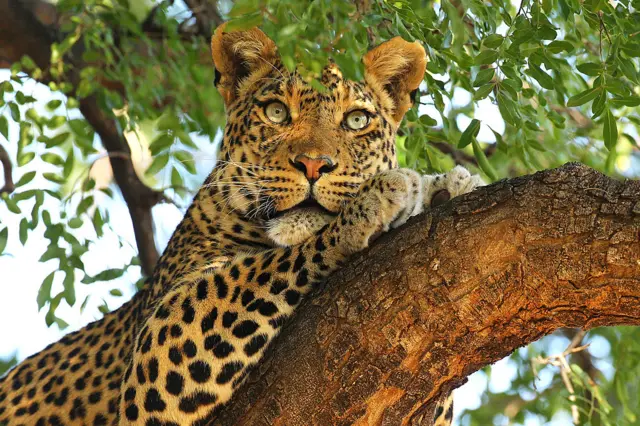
[
  {"x": 24, "y": 33},
  {"x": 454, "y": 290},
  {"x": 7, "y": 168},
  {"x": 459, "y": 156},
  {"x": 206, "y": 15}
]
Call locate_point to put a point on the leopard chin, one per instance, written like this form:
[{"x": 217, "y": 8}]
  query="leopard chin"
[{"x": 296, "y": 225}]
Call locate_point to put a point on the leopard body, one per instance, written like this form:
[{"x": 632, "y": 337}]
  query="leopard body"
[{"x": 286, "y": 205}]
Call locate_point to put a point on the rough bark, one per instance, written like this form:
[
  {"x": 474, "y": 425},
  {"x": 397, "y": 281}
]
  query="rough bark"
[{"x": 454, "y": 290}]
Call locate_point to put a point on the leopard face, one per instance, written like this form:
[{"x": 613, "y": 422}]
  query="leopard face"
[{"x": 292, "y": 155}]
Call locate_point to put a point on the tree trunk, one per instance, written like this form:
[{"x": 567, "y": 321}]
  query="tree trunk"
[{"x": 454, "y": 290}]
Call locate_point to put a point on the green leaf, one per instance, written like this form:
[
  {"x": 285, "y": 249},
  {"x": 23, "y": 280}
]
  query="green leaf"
[
  {"x": 157, "y": 164},
  {"x": 12, "y": 205},
  {"x": 75, "y": 223},
  {"x": 24, "y": 228},
  {"x": 84, "y": 205},
  {"x": 610, "y": 131},
  {"x": 52, "y": 177},
  {"x": 68, "y": 165},
  {"x": 50, "y": 317},
  {"x": 44, "y": 293},
  {"x": 186, "y": 160},
  {"x": 25, "y": 178},
  {"x": 598, "y": 104},
  {"x": 427, "y": 120},
  {"x": 161, "y": 143},
  {"x": 558, "y": 46},
  {"x": 69, "y": 288},
  {"x": 4, "y": 127},
  {"x": 536, "y": 145},
  {"x": 15, "y": 111},
  {"x": 584, "y": 97},
  {"x": 499, "y": 141},
  {"x": 52, "y": 158},
  {"x": 469, "y": 133},
  {"x": 625, "y": 101},
  {"x": 508, "y": 109},
  {"x": 88, "y": 184},
  {"x": 483, "y": 162},
  {"x": 98, "y": 222},
  {"x": 62, "y": 324},
  {"x": 57, "y": 139},
  {"x": 492, "y": 41},
  {"x": 106, "y": 275},
  {"x": 616, "y": 87},
  {"x": 245, "y": 22},
  {"x": 53, "y": 104},
  {"x": 631, "y": 49},
  {"x": 4, "y": 236},
  {"x": 115, "y": 292},
  {"x": 483, "y": 77},
  {"x": 483, "y": 91},
  {"x": 628, "y": 69},
  {"x": 485, "y": 57},
  {"x": 590, "y": 68},
  {"x": 541, "y": 77},
  {"x": 176, "y": 179}
]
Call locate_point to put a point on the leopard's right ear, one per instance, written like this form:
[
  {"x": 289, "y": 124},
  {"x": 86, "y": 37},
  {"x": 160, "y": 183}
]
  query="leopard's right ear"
[{"x": 239, "y": 54}]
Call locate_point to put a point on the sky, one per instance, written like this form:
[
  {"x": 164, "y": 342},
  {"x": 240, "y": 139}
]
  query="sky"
[{"x": 22, "y": 328}]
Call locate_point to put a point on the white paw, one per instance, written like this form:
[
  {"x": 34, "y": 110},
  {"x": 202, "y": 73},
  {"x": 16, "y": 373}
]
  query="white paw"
[{"x": 456, "y": 182}]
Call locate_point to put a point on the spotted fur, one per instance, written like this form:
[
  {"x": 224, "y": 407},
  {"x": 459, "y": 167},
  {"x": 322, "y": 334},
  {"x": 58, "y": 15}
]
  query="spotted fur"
[{"x": 260, "y": 234}]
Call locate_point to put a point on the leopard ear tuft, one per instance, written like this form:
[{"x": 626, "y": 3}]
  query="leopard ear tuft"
[
  {"x": 396, "y": 67},
  {"x": 238, "y": 55}
]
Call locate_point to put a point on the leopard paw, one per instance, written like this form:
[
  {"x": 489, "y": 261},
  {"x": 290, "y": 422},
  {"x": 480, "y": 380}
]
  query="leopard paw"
[
  {"x": 438, "y": 189},
  {"x": 387, "y": 200}
]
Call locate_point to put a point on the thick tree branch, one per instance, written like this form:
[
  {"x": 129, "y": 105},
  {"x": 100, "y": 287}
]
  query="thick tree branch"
[
  {"x": 24, "y": 32},
  {"x": 452, "y": 291}
]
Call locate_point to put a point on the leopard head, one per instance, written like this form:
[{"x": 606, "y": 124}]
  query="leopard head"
[{"x": 292, "y": 155}]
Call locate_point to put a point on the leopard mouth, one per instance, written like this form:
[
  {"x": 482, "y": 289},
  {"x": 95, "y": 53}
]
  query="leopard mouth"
[{"x": 308, "y": 203}]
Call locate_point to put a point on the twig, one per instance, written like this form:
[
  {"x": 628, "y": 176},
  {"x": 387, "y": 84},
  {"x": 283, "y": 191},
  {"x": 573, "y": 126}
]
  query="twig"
[
  {"x": 30, "y": 37},
  {"x": 461, "y": 157},
  {"x": 560, "y": 361},
  {"x": 7, "y": 167},
  {"x": 206, "y": 14}
]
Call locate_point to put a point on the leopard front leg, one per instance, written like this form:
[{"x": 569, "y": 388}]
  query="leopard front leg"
[{"x": 198, "y": 345}]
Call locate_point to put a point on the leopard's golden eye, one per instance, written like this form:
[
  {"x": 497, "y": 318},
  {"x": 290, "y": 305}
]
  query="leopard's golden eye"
[
  {"x": 357, "y": 120},
  {"x": 276, "y": 112}
]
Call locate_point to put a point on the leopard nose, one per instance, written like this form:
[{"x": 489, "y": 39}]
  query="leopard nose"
[{"x": 313, "y": 168}]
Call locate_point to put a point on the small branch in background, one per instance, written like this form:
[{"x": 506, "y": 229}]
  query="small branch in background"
[
  {"x": 23, "y": 33},
  {"x": 581, "y": 120},
  {"x": 7, "y": 168},
  {"x": 560, "y": 361},
  {"x": 206, "y": 14},
  {"x": 139, "y": 197},
  {"x": 461, "y": 157}
]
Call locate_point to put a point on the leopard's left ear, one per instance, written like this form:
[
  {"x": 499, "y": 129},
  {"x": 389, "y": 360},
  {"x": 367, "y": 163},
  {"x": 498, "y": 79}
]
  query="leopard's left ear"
[
  {"x": 397, "y": 67},
  {"x": 239, "y": 54}
]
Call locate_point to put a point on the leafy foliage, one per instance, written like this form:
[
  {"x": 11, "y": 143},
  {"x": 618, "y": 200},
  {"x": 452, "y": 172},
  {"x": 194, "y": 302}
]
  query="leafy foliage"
[{"x": 510, "y": 89}]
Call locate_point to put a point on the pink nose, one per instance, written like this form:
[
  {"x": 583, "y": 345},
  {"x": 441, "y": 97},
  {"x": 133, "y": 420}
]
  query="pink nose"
[{"x": 313, "y": 168}]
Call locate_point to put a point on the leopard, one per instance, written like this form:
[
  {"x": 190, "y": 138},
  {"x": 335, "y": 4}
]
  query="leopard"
[{"x": 306, "y": 177}]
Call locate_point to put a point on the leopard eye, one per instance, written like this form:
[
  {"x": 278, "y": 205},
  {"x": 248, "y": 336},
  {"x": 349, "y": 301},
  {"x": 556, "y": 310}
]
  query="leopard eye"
[
  {"x": 276, "y": 112},
  {"x": 357, "y": 120}
]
